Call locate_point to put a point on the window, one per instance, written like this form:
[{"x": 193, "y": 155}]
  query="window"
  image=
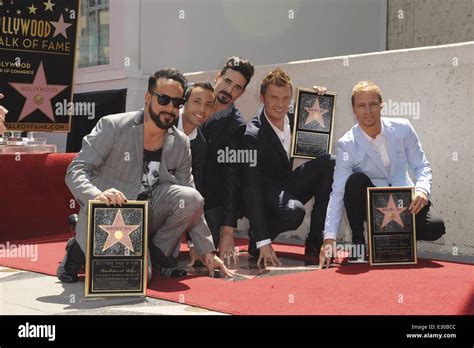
[{"x": 94, "y": 45}]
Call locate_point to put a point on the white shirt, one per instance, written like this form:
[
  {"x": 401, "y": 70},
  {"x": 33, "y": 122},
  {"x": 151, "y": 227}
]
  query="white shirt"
[
  {"x": 380, "y": 145},
  {"x": 191, "y": 135},
  {"x": 285, "y": 138}
]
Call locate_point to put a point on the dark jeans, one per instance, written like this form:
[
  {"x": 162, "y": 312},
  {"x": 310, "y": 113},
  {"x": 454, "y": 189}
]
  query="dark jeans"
[
  {"x": 285, "y": 205},
  {"x": 429, "y": 225},
  {"x": 215, "y": 219}
]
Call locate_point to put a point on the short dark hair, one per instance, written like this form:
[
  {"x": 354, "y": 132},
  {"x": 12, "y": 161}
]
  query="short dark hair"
[
  {"x": 171, "y": 74},
  {"x": 203, "y": 85},
  {"x": 241, "y": 65}
]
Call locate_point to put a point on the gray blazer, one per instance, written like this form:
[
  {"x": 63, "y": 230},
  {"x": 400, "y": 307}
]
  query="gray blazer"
[{"x": 112, "y": 157}]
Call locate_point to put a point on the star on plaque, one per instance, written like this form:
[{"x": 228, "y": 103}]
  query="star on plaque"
[
  {"x": 48, "y": 6},
  {"x": 118, "y": 232},
  {"x": 60, "y": 27},
  {"x": 38, "y": 94},
  {"x": 391, "y": 213},
  {"x": 315, "y": 113}
]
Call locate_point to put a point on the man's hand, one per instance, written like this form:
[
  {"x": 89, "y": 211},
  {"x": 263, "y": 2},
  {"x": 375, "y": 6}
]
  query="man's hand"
[
  {"x": 320, "y": 90},
  {"x": 212, "y": 262},
  {"x": 194, "y": 256},
  {"x": 3, "y": 113},
  {"x": 227, "y": 246},
  {"x": 418, "y": 203},
  {"x": 328, "y": 251},
  {"x": 268, "y": 256},
  {"x": 111, "y": 196}
]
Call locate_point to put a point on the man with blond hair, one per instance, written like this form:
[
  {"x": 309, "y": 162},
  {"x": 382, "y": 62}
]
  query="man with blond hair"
[
  {"x": 275, "y": 194},
  {"x": 377, "y": 151}
]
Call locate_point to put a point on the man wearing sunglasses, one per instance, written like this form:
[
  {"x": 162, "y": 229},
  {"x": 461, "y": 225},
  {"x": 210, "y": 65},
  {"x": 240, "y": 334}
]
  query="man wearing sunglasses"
[
  {"x": 141, "y": 155},
  {"x": 223, "y": 132}
]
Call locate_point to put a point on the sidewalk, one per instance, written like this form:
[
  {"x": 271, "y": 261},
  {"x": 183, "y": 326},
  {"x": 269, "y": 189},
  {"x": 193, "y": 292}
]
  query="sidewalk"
[{"x": 28, "y": 293}]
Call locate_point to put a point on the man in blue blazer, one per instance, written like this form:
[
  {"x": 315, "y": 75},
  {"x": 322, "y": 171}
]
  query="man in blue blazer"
[{"x": 377, "y": 151}]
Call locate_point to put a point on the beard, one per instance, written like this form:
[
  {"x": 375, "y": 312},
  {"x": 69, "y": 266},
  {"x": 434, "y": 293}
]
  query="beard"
[
  {"x": 158, "y": 122},
  {"x": 224, "y": 101}
]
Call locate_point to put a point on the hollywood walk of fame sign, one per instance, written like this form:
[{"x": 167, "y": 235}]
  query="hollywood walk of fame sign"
[
  {"x": 313, "y": 124},
  {"x": 116, "y": 258},
  {"x": 391, "y": 226},
  {"x": 37, "y": 52}
]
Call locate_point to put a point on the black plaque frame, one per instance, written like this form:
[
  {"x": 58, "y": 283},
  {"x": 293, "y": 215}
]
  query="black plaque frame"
[
  {"x": 321, "y": 136},
  {"x": 136, "y": 264},
  {"x": 392, "y": 234}
]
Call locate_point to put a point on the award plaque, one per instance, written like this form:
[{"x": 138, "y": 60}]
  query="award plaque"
[
  {"x": 313, "y": 125},
  {"x": 391, "y": 226},
  {"x": 116, "y": 260}
]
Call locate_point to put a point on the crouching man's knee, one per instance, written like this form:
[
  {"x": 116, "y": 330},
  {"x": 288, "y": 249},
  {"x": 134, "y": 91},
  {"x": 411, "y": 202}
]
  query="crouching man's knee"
[
  {"x": 357, "y": 181},
  {"x": 294, "y": 217},
  {"x": 190, "y": 199}
]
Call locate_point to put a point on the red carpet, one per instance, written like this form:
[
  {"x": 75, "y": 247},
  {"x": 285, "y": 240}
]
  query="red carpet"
[
  {"x": 431, "y": 287},
  {"x": 35, "y": 201}
]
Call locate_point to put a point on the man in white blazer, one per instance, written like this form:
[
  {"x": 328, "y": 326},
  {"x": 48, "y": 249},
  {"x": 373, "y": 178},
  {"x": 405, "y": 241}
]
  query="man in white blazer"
[{"x": 377, "y": 151}]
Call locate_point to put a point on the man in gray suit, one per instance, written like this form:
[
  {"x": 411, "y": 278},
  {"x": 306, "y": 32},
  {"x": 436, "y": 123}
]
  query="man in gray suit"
[{"x": 141, "y": 155}]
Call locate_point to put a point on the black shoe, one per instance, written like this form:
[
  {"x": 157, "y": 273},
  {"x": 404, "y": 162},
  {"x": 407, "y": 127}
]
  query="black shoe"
[
  {"x": 198, "y": 264},
  {"x": 68, "y": 277},
  {"x": 167, "y": 265},
  {"x": 358, "y": 254},
  {"x": 312, "y": 247},
  {"x": 72, "y": 263}
]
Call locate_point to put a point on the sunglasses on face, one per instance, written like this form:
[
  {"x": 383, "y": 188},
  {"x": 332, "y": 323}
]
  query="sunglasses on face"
[{"x": 164, "y": 99}]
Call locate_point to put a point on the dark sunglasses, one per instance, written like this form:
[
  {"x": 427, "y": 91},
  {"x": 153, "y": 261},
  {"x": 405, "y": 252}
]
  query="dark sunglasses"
[{"x": 164, "y": 99}]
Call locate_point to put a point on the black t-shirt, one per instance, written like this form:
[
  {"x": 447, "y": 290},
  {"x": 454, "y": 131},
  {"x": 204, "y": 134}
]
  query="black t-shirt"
[{"x": 151, "y": 169}]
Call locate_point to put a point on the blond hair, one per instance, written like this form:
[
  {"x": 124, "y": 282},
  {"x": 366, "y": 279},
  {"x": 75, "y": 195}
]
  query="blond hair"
[
  {"x": 277, "y": 77},
  {"x": 365, "y": 86}
]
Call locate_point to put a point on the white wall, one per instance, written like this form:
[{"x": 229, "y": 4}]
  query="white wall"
[
  {"x": 146, "y": 35},
  {"x": 441, "y": 79},
  {"x": 199, "y": 35}
]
